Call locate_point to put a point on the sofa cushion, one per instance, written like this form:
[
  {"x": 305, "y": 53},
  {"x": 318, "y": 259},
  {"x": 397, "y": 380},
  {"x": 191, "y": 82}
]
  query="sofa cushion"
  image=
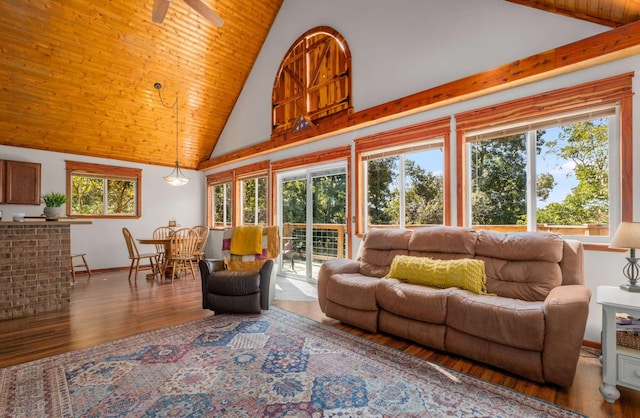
[
  {"x": 522, "y": 265},
  {"x": 379, "y": 247},
  {"x": 511, "y": 322},
  {"x": 353, "y": 290},
  {"x": 422, "y": 303},
  {"x": 465, "y": 273},
  {"x": 443, "y": 242}
]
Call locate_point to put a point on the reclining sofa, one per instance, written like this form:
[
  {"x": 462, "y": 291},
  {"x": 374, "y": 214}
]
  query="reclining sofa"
[{"x": 530, "y": 321}]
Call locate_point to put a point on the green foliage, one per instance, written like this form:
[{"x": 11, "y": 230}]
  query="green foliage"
[
  {"x": 499, "y": 180},
  {"x": 249, "y": 204},
  {"x": 586, "y": 144},
  {"x": 544, "y": 185},
  {"x": 54, "y": 199},
  {"x": 222, "y": 203},
  {"x": 88, "y": 196},
  {"x": 382, "y": 175},
  {"x": 424, "y": 201}
]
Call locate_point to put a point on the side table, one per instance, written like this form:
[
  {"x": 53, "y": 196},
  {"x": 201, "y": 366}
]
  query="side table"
[{"x": 620, "y": 366}]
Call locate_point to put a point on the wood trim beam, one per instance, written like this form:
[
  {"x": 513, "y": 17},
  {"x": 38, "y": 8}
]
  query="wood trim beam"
[
  {"x": 565, "y": 12},
  {"x": 609, "y": 46}
]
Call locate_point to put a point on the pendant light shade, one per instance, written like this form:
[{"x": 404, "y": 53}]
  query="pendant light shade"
[{"x": 176, "y": 178}]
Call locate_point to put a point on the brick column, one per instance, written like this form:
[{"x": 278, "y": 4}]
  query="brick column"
[{"x": 35, "y": 271}]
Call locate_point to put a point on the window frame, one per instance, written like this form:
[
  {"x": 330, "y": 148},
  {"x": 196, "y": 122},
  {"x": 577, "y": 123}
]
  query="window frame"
[
  {"x": 108, "y": 171},
  {"x": 611, "y": 91},
  {"x": 402, "y": 139},
  {"x": 213, "y": 181}
]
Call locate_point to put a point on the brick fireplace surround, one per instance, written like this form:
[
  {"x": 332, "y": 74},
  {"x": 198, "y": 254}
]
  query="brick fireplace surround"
[{"x": 35, "y": 268}]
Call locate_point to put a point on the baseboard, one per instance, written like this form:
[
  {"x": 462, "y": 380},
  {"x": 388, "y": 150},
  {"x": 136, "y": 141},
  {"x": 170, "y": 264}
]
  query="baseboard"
[{"x": 592, "y": 344}]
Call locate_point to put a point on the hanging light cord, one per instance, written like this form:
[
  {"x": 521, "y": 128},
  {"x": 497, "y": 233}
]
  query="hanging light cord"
[
  {"x": 158, "y": 86},
  {"x": 179, "y": 178}
]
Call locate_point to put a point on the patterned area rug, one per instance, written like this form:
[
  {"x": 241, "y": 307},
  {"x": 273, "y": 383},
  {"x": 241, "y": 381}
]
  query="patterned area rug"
[{"x": 272, "y": 365}]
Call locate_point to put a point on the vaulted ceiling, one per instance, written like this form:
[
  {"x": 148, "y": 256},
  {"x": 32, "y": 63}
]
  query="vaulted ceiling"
[{"x": 77, "y": 76}]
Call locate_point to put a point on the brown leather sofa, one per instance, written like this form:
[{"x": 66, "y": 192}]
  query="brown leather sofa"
[{"x": 531, "y": 323}]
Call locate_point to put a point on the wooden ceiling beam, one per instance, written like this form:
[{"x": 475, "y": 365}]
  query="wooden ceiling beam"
[
  {"x": 573, "y": 13},
  {"x": 599, "y": 49}
]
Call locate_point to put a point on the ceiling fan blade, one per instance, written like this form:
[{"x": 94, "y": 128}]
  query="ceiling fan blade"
[
  {"x": 205, "y": 11},
  {"x": 159, "y": 11}
]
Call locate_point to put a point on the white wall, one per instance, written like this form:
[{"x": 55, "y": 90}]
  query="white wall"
[
  {"x": 103, "y": 240},
  {"x": 399, "y": 48},
  {"x": 406, "y": 46}
]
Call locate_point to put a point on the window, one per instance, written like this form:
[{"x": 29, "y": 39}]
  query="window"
[
  {"x": 552, "y": 162},
  {"x": 313, "y": 81},
  {"x": 222, "y": 205},
  {"x": 253, "y": 199},
  {"x": 220, "y": 198},
  {"x": 103, "y": 191},
  {"x": 548, "y": 175},
  {"x": 403, "y": 182},
  {"x": 404, "y": 187}
]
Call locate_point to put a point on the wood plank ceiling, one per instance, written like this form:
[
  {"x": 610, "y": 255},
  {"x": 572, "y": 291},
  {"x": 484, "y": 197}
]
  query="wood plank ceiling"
[{"x": 77, "y": 76}]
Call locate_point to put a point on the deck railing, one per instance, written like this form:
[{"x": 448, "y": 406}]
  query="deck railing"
[{"x": 329, "y": 240}]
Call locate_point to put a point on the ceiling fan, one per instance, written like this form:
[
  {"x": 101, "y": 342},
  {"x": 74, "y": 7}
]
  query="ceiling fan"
[{"x": 160, "y": 8}]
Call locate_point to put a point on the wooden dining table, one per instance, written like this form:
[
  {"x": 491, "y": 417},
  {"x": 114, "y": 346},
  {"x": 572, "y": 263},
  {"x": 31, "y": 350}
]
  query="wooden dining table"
[{"x": 166, "y": 242}]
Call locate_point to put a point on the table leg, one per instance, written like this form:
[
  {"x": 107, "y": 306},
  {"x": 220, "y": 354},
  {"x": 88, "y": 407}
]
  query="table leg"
[{"x": 609, "y": 367}]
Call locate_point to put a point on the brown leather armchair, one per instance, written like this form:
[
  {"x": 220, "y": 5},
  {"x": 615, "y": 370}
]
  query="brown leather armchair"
[{"x": 227, "y": 291}]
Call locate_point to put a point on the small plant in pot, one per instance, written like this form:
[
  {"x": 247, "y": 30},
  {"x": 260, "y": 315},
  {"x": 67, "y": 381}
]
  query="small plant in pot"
[{"x": 54, "y": 205}]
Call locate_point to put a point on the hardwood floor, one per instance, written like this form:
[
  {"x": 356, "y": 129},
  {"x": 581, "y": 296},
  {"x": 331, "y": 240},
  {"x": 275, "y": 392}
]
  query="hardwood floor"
[{"x": 107, "y": 307}]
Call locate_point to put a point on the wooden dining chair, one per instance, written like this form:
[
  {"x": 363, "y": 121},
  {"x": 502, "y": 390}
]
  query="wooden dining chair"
[
  {"x": 162, "y": 232},
  {"x": 203, "y": 233},
  {"x": 135, "y": 256},
  {"x": 183, "y": 246}
]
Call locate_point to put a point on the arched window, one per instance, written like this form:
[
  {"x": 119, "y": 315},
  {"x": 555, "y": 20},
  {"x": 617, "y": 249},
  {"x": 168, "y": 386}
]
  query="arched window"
[{"x": 313, "y": 81}]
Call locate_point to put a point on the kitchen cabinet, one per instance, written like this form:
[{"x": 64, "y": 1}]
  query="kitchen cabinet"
[{"x": 20, "y": 182}]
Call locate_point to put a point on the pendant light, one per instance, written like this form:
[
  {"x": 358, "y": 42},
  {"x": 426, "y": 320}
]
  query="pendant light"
[{"x": 176, "y": 178}]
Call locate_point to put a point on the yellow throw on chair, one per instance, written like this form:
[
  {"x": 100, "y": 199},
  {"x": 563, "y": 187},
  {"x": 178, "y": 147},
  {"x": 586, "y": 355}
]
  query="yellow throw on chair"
[{"x": 246, "y": 240}]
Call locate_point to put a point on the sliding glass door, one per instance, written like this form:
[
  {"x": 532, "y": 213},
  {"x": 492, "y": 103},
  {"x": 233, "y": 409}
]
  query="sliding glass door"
[{"x": 312, "y": 208}]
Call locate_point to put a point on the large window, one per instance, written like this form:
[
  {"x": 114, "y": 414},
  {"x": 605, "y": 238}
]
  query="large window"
[
  {"x": 402, "y": 177},
  {"x": 559, "y": 161},
  {"x": 103, "y": 191},
  {"x": 404, "y": 187},
  {"x": 550, "y": 174}
]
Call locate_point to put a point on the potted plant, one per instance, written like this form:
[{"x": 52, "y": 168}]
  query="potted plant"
[{"x": 53, "y": 203}]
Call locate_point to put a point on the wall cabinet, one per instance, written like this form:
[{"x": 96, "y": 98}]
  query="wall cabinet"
[{"x": 19, "y": 183}]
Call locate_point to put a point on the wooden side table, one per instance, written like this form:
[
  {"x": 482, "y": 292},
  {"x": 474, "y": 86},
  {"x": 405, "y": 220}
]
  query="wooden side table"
[{"x": 620, "y": 366}]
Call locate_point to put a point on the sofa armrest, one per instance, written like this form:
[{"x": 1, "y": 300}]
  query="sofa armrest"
[
  {"x": 265, "y": 284},
  {"x": 566, "y": 309},
  {"x": 328, "y": 269},
  {"x": 207, "y": 267}
]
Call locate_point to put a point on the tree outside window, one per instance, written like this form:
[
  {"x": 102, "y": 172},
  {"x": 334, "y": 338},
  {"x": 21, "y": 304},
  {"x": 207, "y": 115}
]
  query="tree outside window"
[
  {"x": 222, "y": 205},
  {"x": 102, "y": 196},
  {"x": 405, "y": 189},
  {"x": 254, "y": 201},
  {"x": 556, "y": 178},
  {"x": 103, "y": 191}
]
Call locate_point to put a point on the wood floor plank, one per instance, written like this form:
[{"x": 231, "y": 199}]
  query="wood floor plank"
[{"x": 107, "y": 307}]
